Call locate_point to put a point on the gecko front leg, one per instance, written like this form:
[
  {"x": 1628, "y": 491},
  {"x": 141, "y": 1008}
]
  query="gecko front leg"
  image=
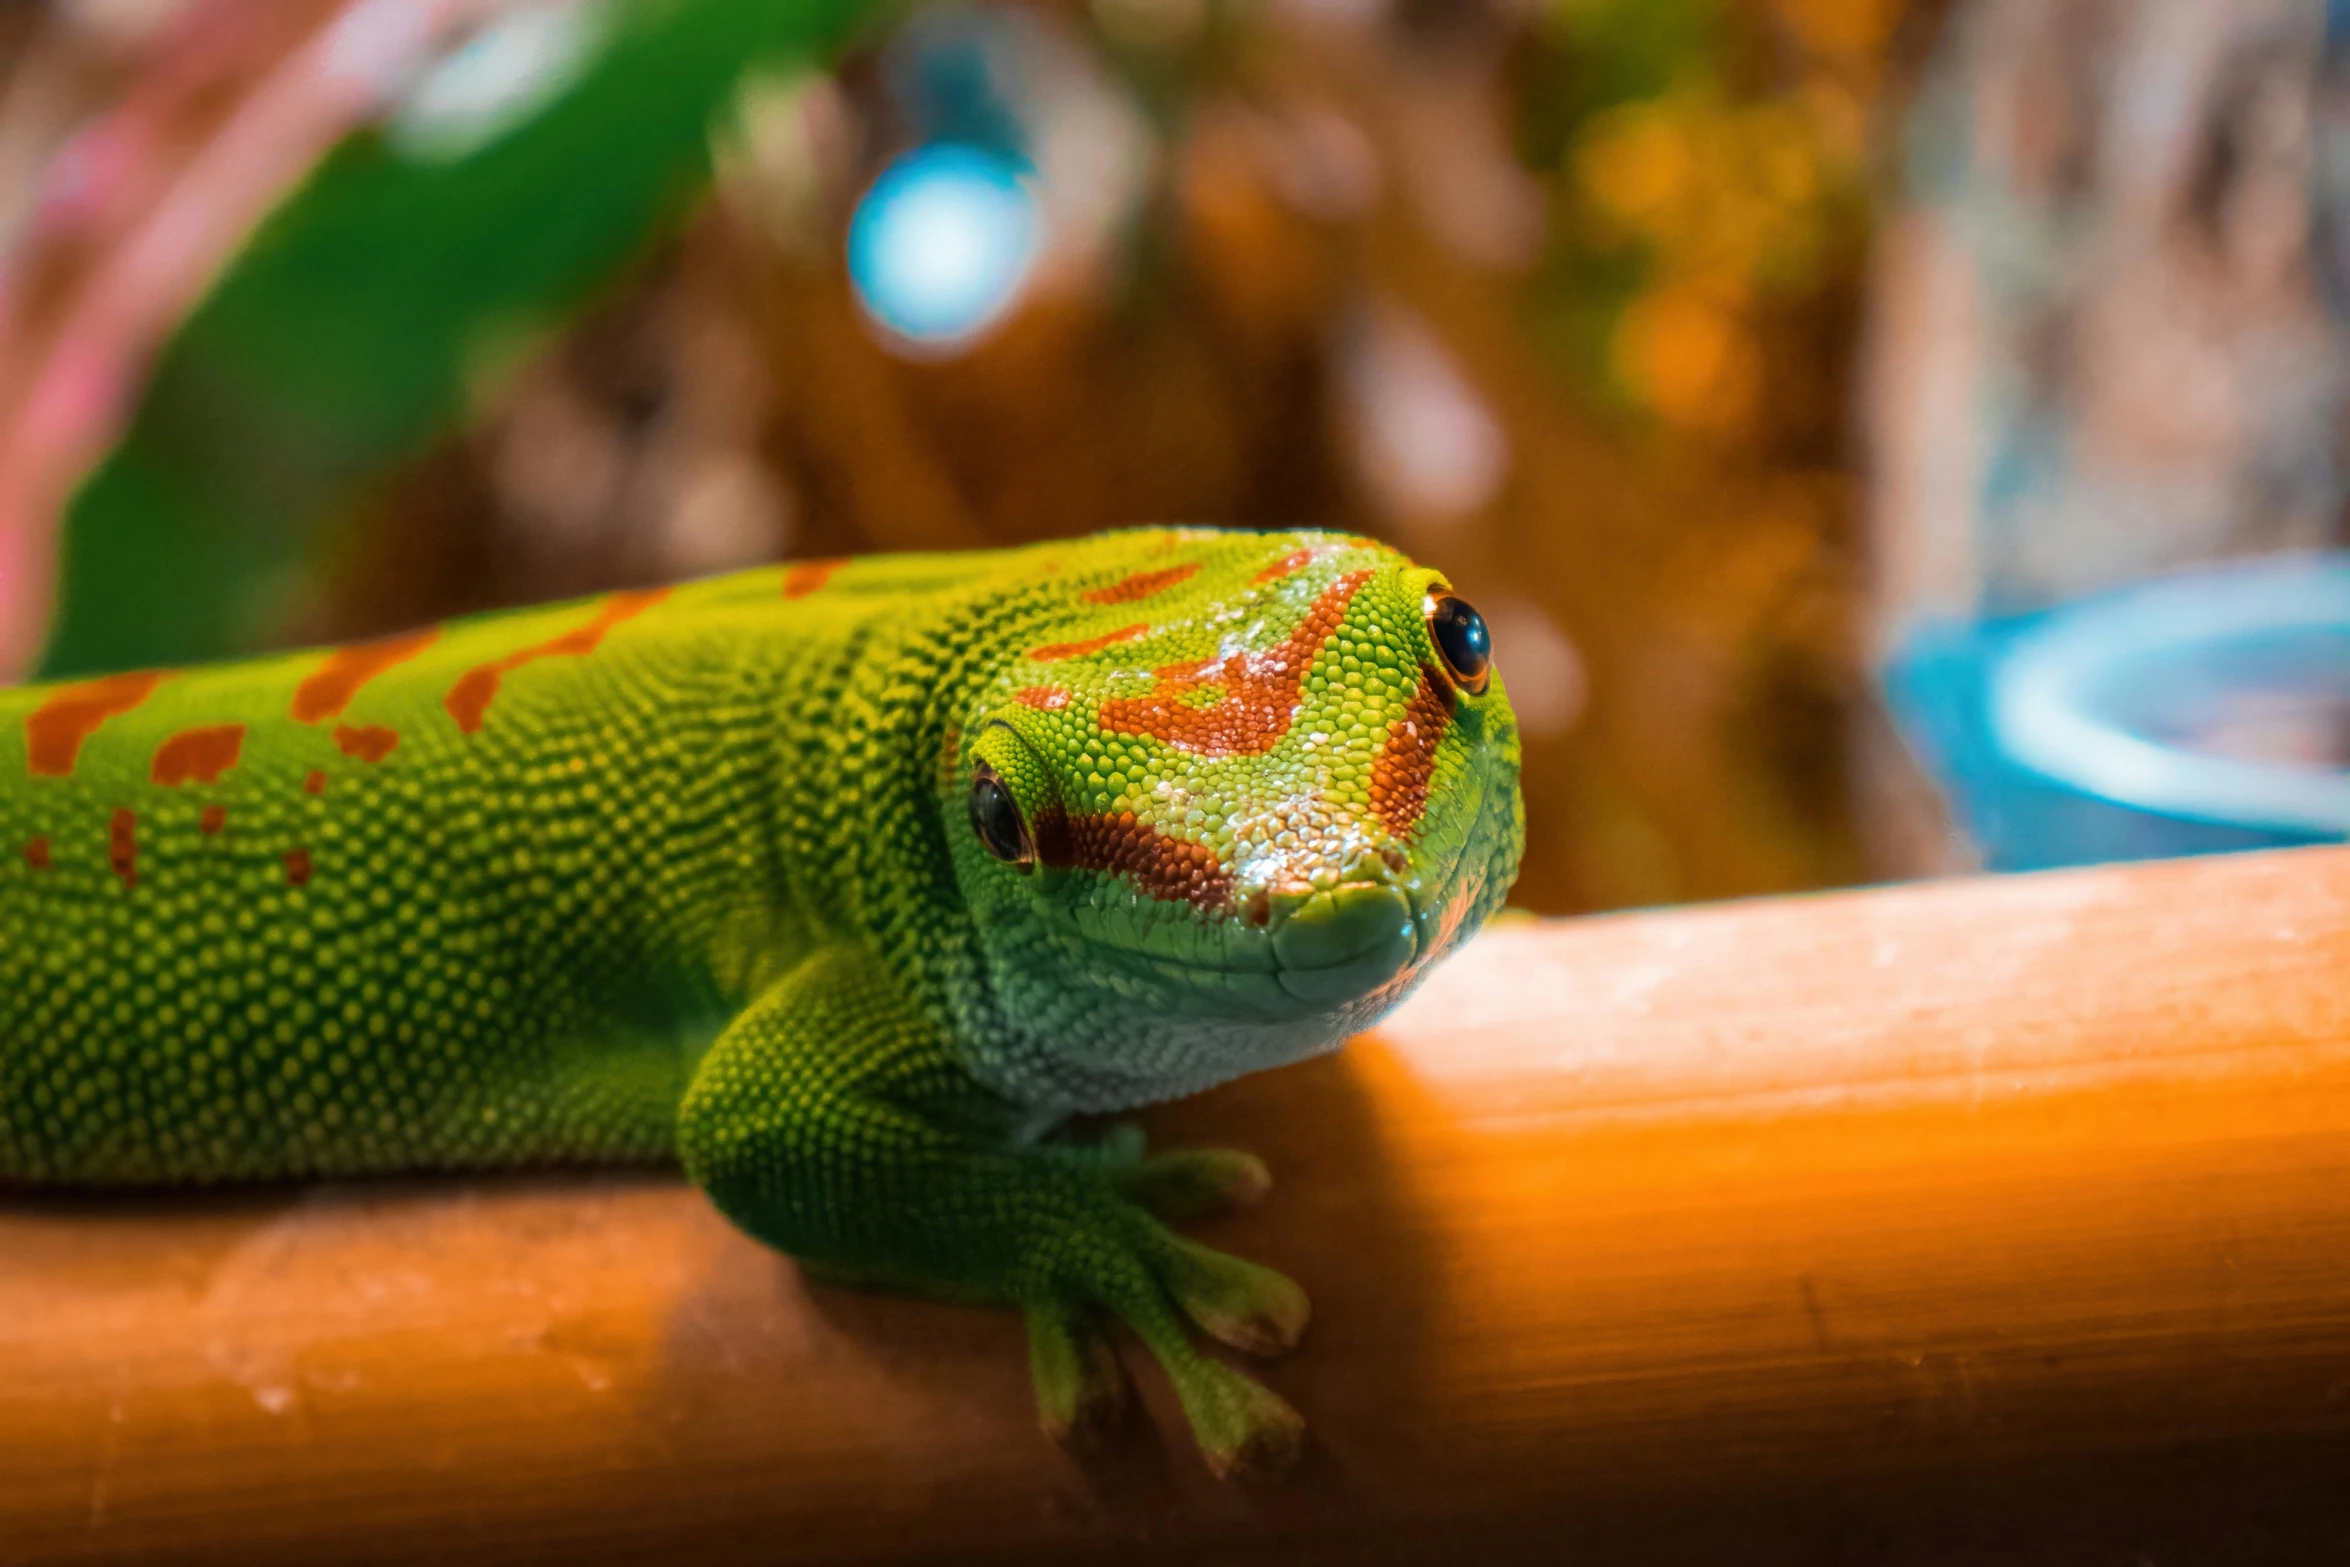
[{"x": 833, "y": 1123}]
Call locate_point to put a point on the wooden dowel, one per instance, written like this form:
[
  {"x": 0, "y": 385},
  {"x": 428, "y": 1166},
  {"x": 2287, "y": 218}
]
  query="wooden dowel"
[{"x": 1999, "y": 1220}]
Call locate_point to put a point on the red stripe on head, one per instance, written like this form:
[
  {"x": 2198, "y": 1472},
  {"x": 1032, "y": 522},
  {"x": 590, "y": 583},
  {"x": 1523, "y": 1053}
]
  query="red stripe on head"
[
  {"x": 1288, "y": 563},
  {"x": 1260, "y": 690},
  {"x": 1157, "y": 865},
  {"x": 1400, "y": 775},
  {"x": 1053, "y": 652},
  {"x": 1141, "y": 585}
]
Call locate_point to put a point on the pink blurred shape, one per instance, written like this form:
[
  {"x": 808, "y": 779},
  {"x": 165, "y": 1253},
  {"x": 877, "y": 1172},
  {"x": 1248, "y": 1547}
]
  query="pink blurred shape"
[{"x": 141, "y": 211}]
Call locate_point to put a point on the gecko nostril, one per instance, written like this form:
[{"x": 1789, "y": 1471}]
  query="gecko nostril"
[
  {"x": 1387, "y": 865},
  {"x": 1272, "y": 902}
]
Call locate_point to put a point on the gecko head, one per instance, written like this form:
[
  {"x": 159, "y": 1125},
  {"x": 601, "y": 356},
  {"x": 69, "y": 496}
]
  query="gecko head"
[{"x": 1226, "y": 798}]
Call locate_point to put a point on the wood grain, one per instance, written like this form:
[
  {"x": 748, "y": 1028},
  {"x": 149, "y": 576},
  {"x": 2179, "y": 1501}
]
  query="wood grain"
[{"x": 1995, "y": 1220}]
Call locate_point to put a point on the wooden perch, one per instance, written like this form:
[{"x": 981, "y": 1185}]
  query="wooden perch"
[{"x": 2001, "y": 1220}]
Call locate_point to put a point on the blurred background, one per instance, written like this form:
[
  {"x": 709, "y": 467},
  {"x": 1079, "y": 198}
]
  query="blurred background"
[{"x": 1886, "y": 436}]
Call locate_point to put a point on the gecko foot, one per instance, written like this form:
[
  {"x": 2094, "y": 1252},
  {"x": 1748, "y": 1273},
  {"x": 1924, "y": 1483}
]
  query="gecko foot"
[{"x": 1163, "y": 1286}]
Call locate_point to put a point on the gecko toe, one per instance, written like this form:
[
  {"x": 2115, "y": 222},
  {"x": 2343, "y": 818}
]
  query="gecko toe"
[
  {"x": 1243, "y": 1304},
  {"x": 1246, "y": 1430},
  {"x": 1083, "y": 1394},
  {"x": 1197, "y": 1182}
]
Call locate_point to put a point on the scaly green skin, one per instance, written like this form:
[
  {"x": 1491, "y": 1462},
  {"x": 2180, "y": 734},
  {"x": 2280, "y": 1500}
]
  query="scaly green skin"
[{"x": 692, "y": 874}]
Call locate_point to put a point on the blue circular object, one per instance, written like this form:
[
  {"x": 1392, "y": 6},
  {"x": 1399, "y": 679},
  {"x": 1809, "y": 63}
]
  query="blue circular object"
[
  {"x": 2217, "y": 696},
  {"x": 941, "y": 243}
]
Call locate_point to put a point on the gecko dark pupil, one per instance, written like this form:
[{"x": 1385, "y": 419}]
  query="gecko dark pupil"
[
  {"x": 995, "y": 817},
  {"x": 1463, "y": 640}
]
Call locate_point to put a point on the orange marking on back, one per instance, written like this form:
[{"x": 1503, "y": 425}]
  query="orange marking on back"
[
  {"x": 1061, "y": 650},
  {"x": 297, "y": 867},
  {"x": 215, "y": 817},
  {"x": 330, "y": 687},
  {"x": 1045, "y": 699},
  {"x": 36, "y": 853},
  {"x": 122, "y": 845},
  {"x": 314, "y": 782},
  {"x": 368, "y": 742},
  {"x": 54, "y": 731},
  {"x": 1140, "y": 586},
  {"x": 1260, "y": 698},
  {"x": 1285, "y": 565},
  {"x": 469, "y": 699},
  {"x": 803, "y": 577},
  {"x": 197, "y": 755}
]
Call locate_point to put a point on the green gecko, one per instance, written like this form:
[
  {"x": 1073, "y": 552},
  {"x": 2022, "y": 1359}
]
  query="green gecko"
[{"x": 841, "y": 883}]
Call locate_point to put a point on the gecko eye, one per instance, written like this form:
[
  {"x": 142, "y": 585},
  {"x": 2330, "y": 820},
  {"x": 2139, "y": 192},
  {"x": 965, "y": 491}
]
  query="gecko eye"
[
  {"x": 995, "y": 817},
  {"x": 1463, "y": 640}
]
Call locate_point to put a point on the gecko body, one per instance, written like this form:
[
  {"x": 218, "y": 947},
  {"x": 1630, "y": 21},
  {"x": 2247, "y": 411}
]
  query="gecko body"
[{"x": 841, "y": 883}]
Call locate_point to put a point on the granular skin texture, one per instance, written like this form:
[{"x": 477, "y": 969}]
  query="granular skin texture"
[{"x": 690, "y": 874}]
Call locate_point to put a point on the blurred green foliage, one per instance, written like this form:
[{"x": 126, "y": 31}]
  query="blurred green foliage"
[
  {"x": 1708, "y": 160},
  {"x": 352, "y": 327}
]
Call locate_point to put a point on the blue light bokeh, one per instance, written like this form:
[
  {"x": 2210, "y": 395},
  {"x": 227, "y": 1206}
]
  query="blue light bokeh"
[{"x": 941, "y": 244}]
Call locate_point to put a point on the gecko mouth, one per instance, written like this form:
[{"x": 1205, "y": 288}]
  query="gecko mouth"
[{"x": 1309, "y": 952}]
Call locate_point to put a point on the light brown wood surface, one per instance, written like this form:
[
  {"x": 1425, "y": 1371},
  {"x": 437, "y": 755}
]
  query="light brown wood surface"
[{"x": 1994, "y": 1220}]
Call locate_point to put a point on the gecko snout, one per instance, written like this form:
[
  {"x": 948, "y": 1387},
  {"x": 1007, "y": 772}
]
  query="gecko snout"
[{"x": 1338, "y": 935}]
